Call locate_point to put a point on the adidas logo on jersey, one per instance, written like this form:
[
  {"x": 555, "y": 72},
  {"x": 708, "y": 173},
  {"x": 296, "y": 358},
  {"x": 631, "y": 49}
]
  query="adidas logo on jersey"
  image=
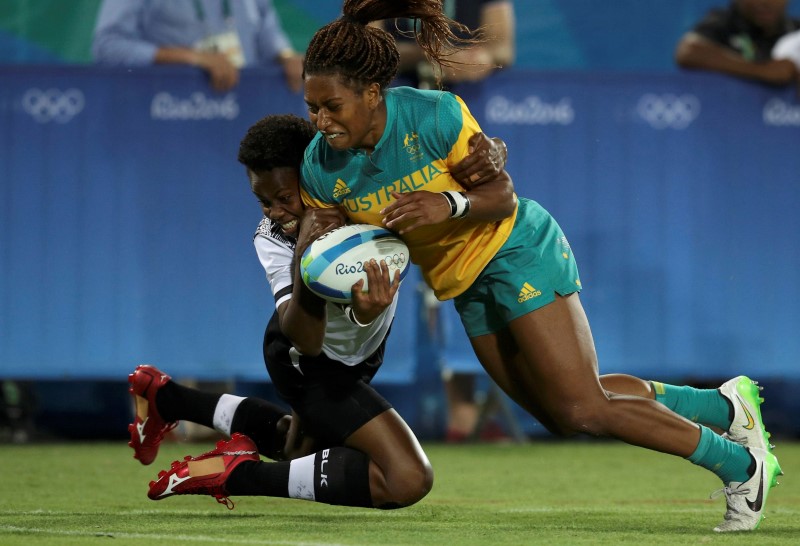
[
  {"x": 528, "y": 292},
  {"x": 340, "y": 188}
]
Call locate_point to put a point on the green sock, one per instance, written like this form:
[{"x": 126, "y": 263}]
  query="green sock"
[
  {"x": 706, "y": 406},
  {"x": 728, "y": 460}
]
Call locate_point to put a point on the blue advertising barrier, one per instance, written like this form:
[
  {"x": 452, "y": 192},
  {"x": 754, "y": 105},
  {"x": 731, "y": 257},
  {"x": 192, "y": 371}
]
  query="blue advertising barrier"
[
  {"x": 678, "y": 194},
  {"x": 126, "y": 222}
]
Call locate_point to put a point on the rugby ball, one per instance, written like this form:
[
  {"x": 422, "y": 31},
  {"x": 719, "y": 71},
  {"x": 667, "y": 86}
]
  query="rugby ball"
[{"x": 333, "y": 263}]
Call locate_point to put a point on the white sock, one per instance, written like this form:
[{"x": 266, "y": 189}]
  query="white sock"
[
  {"x": 301, "y": 478},
  {"x": 223, "y": 413}
]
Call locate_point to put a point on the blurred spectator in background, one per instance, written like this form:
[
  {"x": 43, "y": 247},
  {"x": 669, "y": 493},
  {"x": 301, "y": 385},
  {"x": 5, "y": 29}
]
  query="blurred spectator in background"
[
  {"x": 788, "y": 48},
  {"x": 17, "y": 407},
  {"x": 219, "y": 36},
  {"x": 738, "y": 41},
  {"x": 498, "y": 23},
  {"x": 495, "y": 17}
]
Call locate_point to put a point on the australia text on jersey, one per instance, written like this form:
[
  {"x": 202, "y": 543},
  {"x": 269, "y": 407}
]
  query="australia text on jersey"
[{"x": 417, "y": 180}]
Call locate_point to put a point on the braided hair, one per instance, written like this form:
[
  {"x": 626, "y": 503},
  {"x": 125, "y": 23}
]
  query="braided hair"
[
  {"x": 362, "y": 54},
  {"x": 276, "y": 141}
]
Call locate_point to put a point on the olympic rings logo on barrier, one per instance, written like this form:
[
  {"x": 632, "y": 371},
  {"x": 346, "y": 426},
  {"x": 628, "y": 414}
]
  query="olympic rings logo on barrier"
[
  {"x": 53, "y": 104},
  {"x": 668, "y": 111}
]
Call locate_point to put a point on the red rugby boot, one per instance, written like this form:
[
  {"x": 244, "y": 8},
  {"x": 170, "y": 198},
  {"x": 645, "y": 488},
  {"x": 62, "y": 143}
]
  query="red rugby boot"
[
  {"x": 207, "y": 473},
  {"x": 148, "y": 428}
]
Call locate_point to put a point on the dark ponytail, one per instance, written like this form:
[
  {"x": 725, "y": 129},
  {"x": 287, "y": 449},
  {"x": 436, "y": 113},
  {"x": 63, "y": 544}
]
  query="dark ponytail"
[{"x": 363, "y": 54}]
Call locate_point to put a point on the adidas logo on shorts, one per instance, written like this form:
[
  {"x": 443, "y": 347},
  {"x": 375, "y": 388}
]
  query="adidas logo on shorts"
[{"x": 527, "y": 292}]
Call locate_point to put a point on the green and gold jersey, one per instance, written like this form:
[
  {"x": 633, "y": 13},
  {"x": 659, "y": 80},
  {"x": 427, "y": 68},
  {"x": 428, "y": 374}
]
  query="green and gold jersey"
[{"x": 426, "y": 133}]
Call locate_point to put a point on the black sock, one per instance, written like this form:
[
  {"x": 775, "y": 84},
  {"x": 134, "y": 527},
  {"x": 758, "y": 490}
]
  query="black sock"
[
  {"x": 258, "y": 478},
  {"x": 338, "y": 475},
  {"x": 341, "y": 477},
  {"x": 178, "y": 403},
  {"x": 257, "y": 418}
]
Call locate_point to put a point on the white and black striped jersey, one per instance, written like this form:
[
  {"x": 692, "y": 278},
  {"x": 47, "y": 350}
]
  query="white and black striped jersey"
[{"x": 344, "y": 341}]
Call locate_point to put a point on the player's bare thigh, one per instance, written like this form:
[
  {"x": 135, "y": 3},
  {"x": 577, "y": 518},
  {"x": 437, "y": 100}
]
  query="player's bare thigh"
[{"x": 546, "y": 360}]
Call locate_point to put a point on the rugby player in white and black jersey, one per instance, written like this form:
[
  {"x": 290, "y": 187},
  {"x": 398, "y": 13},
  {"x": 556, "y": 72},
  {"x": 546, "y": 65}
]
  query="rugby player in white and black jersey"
[{"x": 347, "y": 445}]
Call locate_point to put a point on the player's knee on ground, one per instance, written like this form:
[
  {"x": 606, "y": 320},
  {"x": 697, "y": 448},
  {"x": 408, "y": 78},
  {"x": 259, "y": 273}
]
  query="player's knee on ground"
[{"x": 407, "y": 484}]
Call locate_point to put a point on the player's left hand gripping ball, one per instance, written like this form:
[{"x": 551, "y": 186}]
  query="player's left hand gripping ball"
[{"x": 332, "y": 264}]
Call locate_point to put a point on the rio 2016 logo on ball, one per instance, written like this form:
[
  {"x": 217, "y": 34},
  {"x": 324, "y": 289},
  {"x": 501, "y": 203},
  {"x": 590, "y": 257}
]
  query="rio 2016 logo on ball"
[{"x": 332, "y": 264}]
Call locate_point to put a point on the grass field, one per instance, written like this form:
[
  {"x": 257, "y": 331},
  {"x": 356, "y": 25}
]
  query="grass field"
[{"x": 544, "y": 492}]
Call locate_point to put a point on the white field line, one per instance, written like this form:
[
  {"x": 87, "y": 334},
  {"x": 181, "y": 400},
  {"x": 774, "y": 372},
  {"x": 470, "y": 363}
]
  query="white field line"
[
  {"x": 659, "y": 509},
  {"x": 13, "y": 529}
]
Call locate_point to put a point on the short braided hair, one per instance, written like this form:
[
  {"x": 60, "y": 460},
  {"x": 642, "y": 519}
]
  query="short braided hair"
[
  {"x": 276, "y": 141},
  {"x": 363, "y": 54}
]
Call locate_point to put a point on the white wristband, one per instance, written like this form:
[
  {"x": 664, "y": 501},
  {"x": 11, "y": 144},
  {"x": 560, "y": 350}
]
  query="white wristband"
[
  {"x": 351, "y": 314},
  {"x": 459, "y": 203}
]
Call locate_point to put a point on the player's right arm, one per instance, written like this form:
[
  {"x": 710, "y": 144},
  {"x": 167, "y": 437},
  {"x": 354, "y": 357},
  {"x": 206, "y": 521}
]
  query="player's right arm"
[{"x": 303, "y": 318}]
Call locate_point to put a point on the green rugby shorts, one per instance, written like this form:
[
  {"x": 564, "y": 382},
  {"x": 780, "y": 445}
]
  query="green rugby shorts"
[{"x": 533, "y": 265}]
